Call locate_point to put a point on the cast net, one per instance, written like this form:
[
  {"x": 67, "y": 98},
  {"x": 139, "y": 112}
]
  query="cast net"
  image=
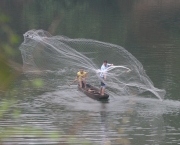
[{"x": 56, "y": 60}]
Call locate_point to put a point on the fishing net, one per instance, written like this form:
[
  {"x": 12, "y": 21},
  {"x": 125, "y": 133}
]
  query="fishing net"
[{"x": 56, "y": 60}]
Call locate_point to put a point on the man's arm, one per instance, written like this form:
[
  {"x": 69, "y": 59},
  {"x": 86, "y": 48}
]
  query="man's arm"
[
  {"x": 76, "y": 78},
  {"x": 110, "y": 64},
  {"x": 86, "y": 76},
  {"x": 104, "y": 76}
]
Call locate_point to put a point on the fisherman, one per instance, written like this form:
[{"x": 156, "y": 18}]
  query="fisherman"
[
  {"x": 104, "y": 66},
  {"x": 81, "y": 78}
]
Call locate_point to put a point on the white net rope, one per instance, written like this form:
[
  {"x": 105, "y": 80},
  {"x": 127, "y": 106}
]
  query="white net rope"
[{"x": 56, "y": 59}]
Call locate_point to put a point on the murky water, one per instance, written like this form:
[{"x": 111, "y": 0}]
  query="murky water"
[
  {"x": 120, "y": 120},
  {"x": 148, "y": 29}
]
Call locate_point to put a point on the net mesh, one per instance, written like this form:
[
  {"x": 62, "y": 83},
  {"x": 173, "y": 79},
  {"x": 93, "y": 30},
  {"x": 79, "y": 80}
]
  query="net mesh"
[{"x": 56, "y": 59}]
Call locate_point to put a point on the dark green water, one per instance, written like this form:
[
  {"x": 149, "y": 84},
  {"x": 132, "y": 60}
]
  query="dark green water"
[{"x": 148, "y": 29}]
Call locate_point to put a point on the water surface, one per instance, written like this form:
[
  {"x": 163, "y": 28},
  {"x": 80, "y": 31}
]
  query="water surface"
[{"x": 148, "y": 29}]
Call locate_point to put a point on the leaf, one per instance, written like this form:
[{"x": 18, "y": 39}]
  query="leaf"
[
  {"x": 16, "y": 113},
  {"x": 38, "y": 83}
]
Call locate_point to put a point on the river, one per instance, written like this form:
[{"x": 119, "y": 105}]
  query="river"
[{"x": 148, "y": 29}]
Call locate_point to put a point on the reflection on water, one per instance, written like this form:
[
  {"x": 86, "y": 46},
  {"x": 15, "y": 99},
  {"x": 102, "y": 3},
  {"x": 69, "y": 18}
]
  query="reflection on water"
[
  {"x": 122, "y": 120},
  {"x": 148, "y": 29}
]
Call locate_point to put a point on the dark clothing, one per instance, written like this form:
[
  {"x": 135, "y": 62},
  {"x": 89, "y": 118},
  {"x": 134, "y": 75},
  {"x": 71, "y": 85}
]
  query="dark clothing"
[{"x": 102, "y": 83}]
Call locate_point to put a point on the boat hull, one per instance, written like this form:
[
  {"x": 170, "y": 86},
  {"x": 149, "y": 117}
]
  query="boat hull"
[{"x": 93, "y": 92}]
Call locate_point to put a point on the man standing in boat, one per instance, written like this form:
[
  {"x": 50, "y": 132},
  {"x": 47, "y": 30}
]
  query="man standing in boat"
[
  {"x": 104, "y": 66},
  {"x": 81, "y": 78}
]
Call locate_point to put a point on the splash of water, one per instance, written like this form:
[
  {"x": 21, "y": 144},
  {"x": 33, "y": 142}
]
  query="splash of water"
[{"x": 56, "y": 60}]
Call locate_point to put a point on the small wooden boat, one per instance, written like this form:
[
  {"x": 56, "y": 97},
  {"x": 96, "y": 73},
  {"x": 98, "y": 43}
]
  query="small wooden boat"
[{"x": 93, "y": 92}]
